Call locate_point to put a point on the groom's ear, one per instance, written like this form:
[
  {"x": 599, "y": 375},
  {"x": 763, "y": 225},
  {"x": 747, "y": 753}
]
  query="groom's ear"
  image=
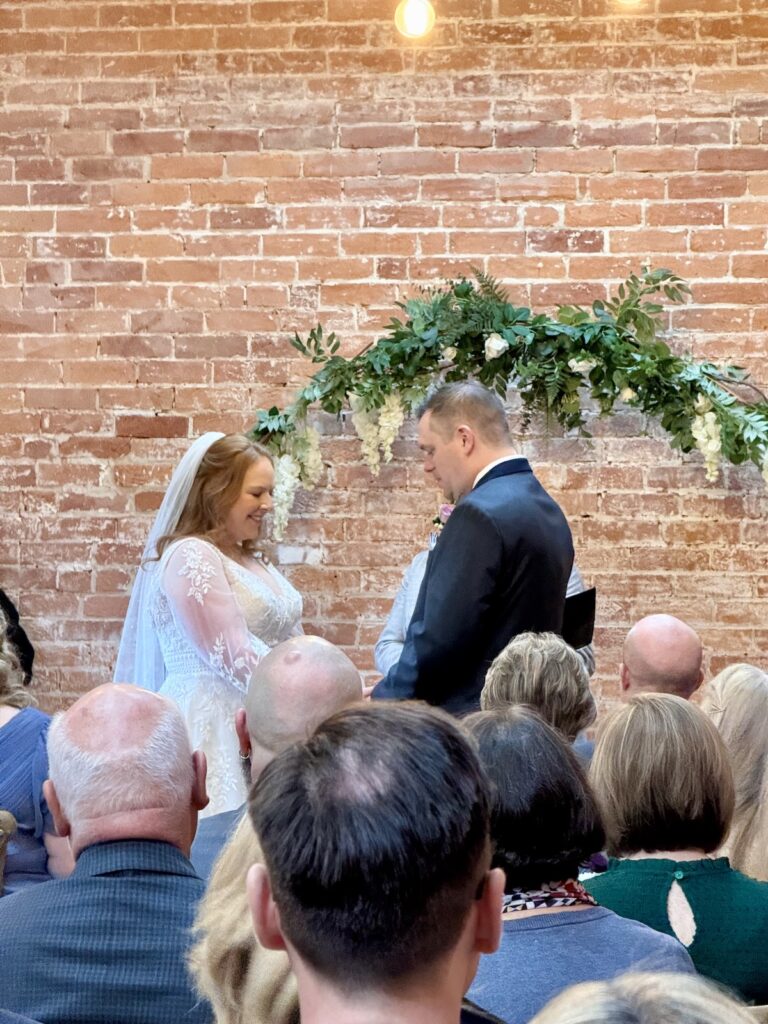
[{"x": 466, "y": 438}]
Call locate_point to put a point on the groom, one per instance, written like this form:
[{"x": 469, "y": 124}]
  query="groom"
[{"x": 501, "y": 563}]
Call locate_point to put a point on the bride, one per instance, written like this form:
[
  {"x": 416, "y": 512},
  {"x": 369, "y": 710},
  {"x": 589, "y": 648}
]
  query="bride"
[{"x": 206, "y": 605}]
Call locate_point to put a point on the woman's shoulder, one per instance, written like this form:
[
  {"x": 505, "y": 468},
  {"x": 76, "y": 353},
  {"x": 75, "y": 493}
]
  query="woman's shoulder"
[{"x": 191, "y": 550}]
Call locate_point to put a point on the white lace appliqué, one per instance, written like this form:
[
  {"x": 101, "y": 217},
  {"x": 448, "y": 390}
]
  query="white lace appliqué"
[{"x": 198, "y": 571}]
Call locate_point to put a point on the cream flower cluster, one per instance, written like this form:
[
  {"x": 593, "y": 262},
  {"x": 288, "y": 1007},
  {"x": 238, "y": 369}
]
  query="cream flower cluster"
[
  {"x": 707, "y": 434},
  {"x": 367, "y": 428},
  {"x": 306, "y": 451},
  {"x": 287, "y": 474},
  {"x": 391, "y": 417},
  {"x": 377, "y": 430}
]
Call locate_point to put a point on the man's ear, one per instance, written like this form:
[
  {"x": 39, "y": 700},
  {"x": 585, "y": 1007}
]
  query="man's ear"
[
  {"x": 63, "y": 828},
  {"x": 488, "y": 923},
  {"x": 243, "y": 736},
  {"x": 466, "y": 438},
  {"x": 264, "y": 913},
  {"x": 623, "y": 677},
  {"x": 199, "y": 791}
]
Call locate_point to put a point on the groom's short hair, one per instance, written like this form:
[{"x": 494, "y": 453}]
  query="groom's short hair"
[
  {"x": 375, "y": 837},
  {"x": 468, "y": 402}
]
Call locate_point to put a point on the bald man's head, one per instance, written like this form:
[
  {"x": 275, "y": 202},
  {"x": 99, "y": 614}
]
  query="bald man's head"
[
  {"x": 118, "y": 753},
  {"x": 294, "y": 688},
  {"x": 662, "y": 654}
]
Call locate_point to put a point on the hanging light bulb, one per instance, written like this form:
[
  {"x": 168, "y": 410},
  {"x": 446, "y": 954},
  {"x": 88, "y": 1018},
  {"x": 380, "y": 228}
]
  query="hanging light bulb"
[{"x": 414, "y": 18}]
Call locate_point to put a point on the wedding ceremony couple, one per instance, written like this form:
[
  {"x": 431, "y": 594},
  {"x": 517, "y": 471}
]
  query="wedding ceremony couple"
[{"x": 206, "y": 605}]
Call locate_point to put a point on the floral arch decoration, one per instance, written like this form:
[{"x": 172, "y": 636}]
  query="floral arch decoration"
[{"x": 469, "y": 329}]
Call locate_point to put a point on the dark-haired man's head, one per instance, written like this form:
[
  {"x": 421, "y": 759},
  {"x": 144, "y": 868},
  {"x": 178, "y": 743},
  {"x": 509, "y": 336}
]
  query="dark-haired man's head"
[
  {"x": 375, "y": 838},
  {"x": 544, "y": 819},
  {"x": 462, "y": 429}
]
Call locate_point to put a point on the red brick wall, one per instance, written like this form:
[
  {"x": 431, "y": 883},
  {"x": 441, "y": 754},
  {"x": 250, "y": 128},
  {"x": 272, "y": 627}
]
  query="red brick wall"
[{"x": 185, "y": 184}]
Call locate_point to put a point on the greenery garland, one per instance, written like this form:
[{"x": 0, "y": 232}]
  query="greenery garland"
[{"x": 470, "y": 329}]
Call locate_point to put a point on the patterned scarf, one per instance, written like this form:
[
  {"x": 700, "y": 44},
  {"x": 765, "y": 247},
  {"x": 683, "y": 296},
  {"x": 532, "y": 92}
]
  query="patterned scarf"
[{"x": 551, "y": 894}]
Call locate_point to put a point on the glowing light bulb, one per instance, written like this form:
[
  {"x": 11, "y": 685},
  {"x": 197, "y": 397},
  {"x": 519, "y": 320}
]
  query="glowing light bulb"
[{"x": 414, "y": 18}]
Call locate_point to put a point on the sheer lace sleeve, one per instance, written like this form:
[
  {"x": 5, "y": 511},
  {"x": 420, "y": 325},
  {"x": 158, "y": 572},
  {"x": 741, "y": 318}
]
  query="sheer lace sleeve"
[{"x": 206, "y": 611}]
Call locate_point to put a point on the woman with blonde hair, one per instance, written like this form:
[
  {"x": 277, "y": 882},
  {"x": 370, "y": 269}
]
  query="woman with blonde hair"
[
  {"x": 244, "y": 982},
  {"x": 645, "y": 999},
  {"x": 35, "y": 853},
  {"x": 206, "y": 604},
  {"x": 736, "y": 700},
  {"x": 663, "y": 780}
]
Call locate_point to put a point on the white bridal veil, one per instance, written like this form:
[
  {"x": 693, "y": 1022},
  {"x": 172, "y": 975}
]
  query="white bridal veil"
[{"x": 139, "y": 659}]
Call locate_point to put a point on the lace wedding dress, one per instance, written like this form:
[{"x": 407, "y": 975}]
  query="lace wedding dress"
[{"x": 214, "y": 621}]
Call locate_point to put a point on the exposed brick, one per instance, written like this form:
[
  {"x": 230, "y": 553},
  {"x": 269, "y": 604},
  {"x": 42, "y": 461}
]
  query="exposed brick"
[
  {"x": 185, "y": 185},
  {"x": 151, "y": 426}
]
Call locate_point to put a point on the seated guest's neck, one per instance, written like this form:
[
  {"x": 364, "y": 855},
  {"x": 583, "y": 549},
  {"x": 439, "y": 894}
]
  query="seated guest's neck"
[{"x": 432, "y": 997}]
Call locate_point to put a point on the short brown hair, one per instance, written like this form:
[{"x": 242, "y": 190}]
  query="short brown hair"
[
  {"x": 216, "y": 488},
  {"x": 662, "y": 777},
  {"x": 541, "y": 670},
  {"x": 469, "y": 402}
]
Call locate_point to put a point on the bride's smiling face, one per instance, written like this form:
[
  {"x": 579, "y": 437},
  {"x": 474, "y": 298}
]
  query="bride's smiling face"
[{"x": 243, "y": 521}]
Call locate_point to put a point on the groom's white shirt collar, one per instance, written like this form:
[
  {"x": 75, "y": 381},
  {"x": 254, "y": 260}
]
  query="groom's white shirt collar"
[{"x": 491, "y": 465}]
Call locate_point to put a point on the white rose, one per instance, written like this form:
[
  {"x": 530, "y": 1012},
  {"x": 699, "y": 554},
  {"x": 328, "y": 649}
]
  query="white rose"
[
  {"x": 581, "y": 365},
  {"x": 627, "y": 394},
  {"x": 449, "y": 353},
  {"x": 495, "y": 345},
  {"x": 702, "y": 404}
]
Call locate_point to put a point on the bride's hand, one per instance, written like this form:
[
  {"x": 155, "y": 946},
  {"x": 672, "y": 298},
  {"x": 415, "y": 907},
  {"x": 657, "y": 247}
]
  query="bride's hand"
[{"x": 367, "y": 691}]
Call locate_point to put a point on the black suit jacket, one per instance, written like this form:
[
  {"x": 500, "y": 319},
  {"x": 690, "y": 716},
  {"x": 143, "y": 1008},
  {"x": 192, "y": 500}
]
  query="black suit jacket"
[{"x": 500, "y": 567}]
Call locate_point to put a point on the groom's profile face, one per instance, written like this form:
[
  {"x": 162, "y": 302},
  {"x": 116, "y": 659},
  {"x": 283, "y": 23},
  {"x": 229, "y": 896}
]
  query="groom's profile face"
[{"x": 444, "y": 461}]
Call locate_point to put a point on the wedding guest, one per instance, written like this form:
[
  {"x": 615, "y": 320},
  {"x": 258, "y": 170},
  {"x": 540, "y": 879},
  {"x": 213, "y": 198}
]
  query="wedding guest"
[
  {"x": 390, "y": 644},
  {"x": 662, "y": 654},
  {"x": 377, "y": 874},
  {"x": 35, "y": 853},
  {"x": 645, "y": 999},
  {"x": 206, "y": 604},
  {"x": 501, "y": 565},
  {"x": 544, "y": 822},
  {"x": 17, "y": 638},
  {"x": 107, "y": 944},
  {"x": 295, "y": 687},
  {"x": 736, "y": 700},
  {"x": 541, "y": 670},
  {"x": 663, "y": 780}
]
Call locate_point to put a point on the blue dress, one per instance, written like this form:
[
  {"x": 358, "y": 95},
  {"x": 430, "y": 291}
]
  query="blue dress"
[{"x": 23, "y": 769}]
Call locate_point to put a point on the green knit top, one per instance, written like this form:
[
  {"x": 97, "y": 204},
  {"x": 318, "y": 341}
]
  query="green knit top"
[{"x": 730, "y": 911}]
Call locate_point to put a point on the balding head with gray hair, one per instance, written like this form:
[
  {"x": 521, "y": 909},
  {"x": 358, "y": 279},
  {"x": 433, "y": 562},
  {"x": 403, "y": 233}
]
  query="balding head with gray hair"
[
  {"x": 662, "y": 654},
  {"x": 293, "y": 689},
  {"x": 121, "y": 766}
]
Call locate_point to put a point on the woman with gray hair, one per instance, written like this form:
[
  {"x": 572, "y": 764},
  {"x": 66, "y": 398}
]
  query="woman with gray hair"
[
  {"x": 736, "y": 701},
  {"x": 542, "y": 671}
]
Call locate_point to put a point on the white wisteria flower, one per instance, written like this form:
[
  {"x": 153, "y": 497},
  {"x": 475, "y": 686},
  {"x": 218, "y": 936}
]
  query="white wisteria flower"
[
  {"x": 449, "y": 353},
  {"x": 287, "y": 474},
  {"x": 582, "y": 365},
  {"x": 306, "y": 451},
  {"x": 391, "y": 417},
  {"x": 708, "y": 437},
  {"x": 495, "y": 346},
  {"x": 627, "y": 394},
  {"x": 764, "y": 465},
  {"x": 367, "y": 429}
]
